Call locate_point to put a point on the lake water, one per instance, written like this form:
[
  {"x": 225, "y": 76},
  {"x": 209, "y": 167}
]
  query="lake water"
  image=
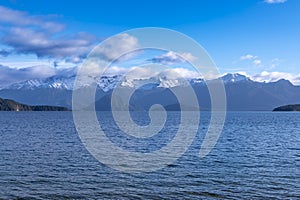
[{"x": 256, "y": 157}]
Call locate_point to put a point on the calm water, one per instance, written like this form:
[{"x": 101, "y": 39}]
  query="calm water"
[{"x": 256, "y": 157}]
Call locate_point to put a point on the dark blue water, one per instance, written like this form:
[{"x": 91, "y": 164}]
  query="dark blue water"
[{"x": 256, "y": 157}]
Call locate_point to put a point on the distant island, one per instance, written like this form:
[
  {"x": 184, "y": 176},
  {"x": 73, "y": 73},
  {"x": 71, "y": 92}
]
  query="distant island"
[
  {"x": 293, "y": 108},
  {"x": 11, "y": 105}
]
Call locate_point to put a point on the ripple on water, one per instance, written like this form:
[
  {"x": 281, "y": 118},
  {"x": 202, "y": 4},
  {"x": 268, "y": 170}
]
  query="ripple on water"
[{"x": 257, "y": 156}]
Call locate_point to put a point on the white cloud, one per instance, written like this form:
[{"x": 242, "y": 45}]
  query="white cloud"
[
  {"x": 188, "y": 56},
  {"x": 255, "y": 60},
  {"x": 174, "y": 73},
  {"x": 114, "y": 47},
  {"x": 148, "y": 72},
  {"x": 115, "y": 70},
  {"x": 26, "y": 40},
  {"x": 19, "y": 18},
  {"x": 274, "y": 1},
  {"x": 41, "y": 35},
  {"x": 248, "y": 57},
  {"x": 14, "y": 75},
  {"x": 140, "y": 73},
  {"x": 275, "y": 76},
  {"x": 171, "y": 58}
]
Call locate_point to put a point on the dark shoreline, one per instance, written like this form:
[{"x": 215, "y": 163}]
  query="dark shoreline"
[
  {"x": 288, "y": 108},
  {"x": 11, "y": 105}
]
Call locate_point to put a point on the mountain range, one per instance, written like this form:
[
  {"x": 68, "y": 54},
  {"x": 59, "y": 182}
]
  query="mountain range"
[{"x": 243, "y": 94}]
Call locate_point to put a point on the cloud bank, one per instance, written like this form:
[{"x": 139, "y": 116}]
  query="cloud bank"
[
  {"x": 12, "y": 75},
  {"x": 275, "y": 76},
  {"x": 41, "y": 35}
]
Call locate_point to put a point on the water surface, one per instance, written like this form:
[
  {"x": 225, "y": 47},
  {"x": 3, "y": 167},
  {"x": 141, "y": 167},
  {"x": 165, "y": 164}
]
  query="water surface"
[{"x": 257, "y": 156}]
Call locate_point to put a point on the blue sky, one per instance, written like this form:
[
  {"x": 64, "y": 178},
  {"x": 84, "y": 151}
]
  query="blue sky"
[{"x": 258, "y": 37}]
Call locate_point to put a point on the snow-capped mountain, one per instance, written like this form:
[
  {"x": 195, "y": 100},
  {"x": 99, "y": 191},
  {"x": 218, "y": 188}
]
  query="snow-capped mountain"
[
  {"x": 242, "y": 93},
  {"x": 158, "y": 81},
  {"x": 52, "y": 82},
  {"x": 234, "y": 78},
  {"x": 64, "y": 82},
  {"x": 107, "y": 83}
]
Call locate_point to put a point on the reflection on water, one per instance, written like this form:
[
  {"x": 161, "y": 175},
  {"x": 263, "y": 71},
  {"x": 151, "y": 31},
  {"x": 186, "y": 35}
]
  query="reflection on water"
[{"x": 257, "y": 156}]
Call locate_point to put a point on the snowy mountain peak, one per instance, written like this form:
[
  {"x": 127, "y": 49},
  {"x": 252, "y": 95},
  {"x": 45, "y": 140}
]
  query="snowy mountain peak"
[
  {"x": 233, "y": 78},
  {"x": 107, "y": 83},
  {"x": 51, "y": 82}
]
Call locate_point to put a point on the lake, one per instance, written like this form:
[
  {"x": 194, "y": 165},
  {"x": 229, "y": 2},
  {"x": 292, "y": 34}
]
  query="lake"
[{"x": 256, "y": 157}]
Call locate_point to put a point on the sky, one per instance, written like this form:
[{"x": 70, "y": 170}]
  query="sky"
[{"x": 259, "y": 38}]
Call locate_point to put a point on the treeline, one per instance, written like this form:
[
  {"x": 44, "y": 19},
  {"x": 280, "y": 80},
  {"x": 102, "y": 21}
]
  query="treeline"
[
  {"x": 295, "y": 107},
  {"x": 11, "y": 105}
]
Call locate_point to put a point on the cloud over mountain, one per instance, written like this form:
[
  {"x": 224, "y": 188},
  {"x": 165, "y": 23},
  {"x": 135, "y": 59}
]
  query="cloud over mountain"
[
  {"x": 13, "y": 75},
  {"x": 275, "y": 76}
]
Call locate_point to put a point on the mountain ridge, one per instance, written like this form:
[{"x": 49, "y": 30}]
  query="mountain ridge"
[
  {"x": 242, "y": 93},
  {"x": 107, "y": 83}
]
